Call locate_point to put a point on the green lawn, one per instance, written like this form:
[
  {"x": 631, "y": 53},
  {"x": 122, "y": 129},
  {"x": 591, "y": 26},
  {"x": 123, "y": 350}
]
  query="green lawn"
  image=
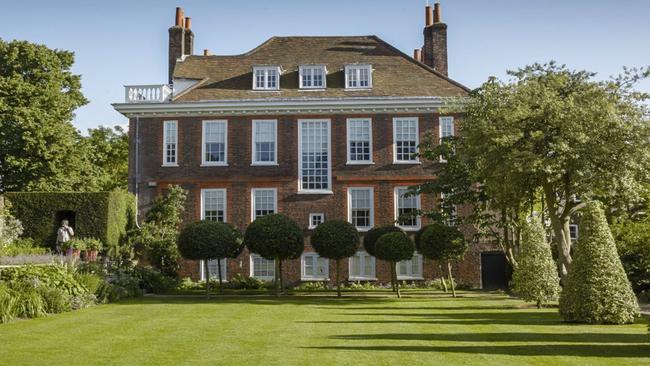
[{"x": 420, "y": 329}]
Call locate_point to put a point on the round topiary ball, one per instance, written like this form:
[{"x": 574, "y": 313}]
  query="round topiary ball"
[
  {"x": 335, "y": 239},
  {"x": 442, "y": 242},
  {"x": 210, "y": 240},
  {"x": 418, "y": 235},
  {"x": 274, "y": 236},
  {"x": 371, "y": 237},
  {"x": 394, "y": 247}
]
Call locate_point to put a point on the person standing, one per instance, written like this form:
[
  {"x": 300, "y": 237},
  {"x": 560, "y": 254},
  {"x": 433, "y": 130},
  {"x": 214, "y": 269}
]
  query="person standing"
[{"x": 63, "y": 235}]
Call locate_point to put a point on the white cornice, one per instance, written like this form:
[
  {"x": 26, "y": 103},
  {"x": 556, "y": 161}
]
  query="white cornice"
[{"x": 271, "y": 106}]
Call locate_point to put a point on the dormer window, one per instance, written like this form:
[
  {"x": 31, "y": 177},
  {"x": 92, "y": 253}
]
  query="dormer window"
[
  {"x": 358, "y": 76},
  {"x": 266, "y": 77},
  {"x": 313, "y": 77}
]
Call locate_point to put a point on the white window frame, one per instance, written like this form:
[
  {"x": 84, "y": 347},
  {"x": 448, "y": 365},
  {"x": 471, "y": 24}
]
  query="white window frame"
[
  {"x": 349, "y": 121},
  {"x": 224, "y": 270},
  {"x": 409, "y": 268},
  {"x": 252, "y": 269},
  {"x": 225, "y": 202},
  {"x": 363, "y": 256},
  {"x": 254, "y": 142},
  {"x": 577, "y": 231},
  {"x": 225, "y": 145},
  {"x": 454, "y": 212},
  {"x": 329, "y": 158},
  {"x": 311, "y": 219},
  {"x": 372, "y": 206},
  {"x": 314, "y": 277},
  {"x": 266, "y": 70},
  {"x": 303, "y": 68},
  {"x": 356, "y": 68},
  {"x": 417, "y": 139},
  {"x": 440, "y": 122},
  {"x": 164, "y": 147},
  {"x": 396, "y": 196},
  {"x": 275, "y": 201}
]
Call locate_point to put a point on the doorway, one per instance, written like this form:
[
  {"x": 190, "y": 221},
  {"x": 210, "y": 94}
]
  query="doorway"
[{"x": 495, "y": 271}]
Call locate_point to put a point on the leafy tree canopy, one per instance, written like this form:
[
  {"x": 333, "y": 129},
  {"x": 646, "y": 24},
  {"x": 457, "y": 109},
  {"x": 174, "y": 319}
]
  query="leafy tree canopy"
[
  {"x": 442, "y": 242},
  {"x": 202, "y": 240},
  {"x": 274, "y": 236},
  {"x": 335, "y": 239},
  {"x": 371, "y": 237}
]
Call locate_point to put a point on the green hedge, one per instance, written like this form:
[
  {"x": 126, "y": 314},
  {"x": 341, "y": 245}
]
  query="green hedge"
[{"x": 103, "y": 215}]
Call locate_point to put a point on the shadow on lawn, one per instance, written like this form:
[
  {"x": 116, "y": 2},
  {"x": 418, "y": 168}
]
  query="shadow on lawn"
[
  {"x": 592, "y": 350},
  {"x": 505, "y": 337}
]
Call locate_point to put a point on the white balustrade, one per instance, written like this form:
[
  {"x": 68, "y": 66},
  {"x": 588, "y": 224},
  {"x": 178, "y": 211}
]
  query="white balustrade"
[{"x": 147, "y": 93}]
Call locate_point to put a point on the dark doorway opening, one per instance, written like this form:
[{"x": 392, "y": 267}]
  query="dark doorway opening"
[
  {"x": 495, "y": 271},
  {"x": 71, "y": 216}
]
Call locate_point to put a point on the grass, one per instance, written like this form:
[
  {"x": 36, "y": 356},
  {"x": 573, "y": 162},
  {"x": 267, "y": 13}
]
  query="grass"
[{"x": 424, "y": 328}]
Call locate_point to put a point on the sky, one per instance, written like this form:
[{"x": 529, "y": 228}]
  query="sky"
[{"x": 121, "y": 42}]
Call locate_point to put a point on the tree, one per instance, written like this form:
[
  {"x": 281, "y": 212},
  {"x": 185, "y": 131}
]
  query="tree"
[
  {"x": 536, "y": 278},
  {"x": 394, "y": 247},
  {"x": 335, "y": 239},
  {"x": 205, "y": 240},
  {"x": 596, "y": 289},
  {"x": 108, "y": 149},
  {"x": 553, "y": 138},
  {"x": 275, "y": 237},
  {"x": 159, "y": 233},
  {"x": 416, "y": 239},
  {"x": 10, "y": 227},
  {"x": 39, "y": 146},
  {"x": 371, "y": 236},
  {"x": 443, "y": 243}
]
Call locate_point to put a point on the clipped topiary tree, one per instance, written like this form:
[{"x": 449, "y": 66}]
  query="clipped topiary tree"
[
  {"x": 394, "y": 247},
  {"x": 206, "y": 240},
  {"x": 536, "y": 278},
  {"x": 417, "y": 238},
  {"x": 371, "y": 237},
  {"x": 335, "y": 239},
  {"x": 445, "y": 244},
  {"x": 597, "y": 289},
  {"x": 275, "y": 237}
]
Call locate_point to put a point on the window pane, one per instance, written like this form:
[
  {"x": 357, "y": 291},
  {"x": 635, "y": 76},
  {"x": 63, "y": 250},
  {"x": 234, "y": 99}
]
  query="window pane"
[
  {"x": 214, "y": 135},
  {"x": 359, "y": 137},
  {"x": 405, "y": 139},
  {"x": 314, "y": 158},
  {"x": 355, "y": 266},
  {"x": 265, "y": 141},
  {"x": 214, "y": 205},
  {"x": 214, "y": 268},
  {"x": 262, "y": 267},
  {"x": 446, "y": 127},
  {"x": 170, "y": 141},
  {"x": 264, "y": 202},
  {"x": 369, "y": 266},
  {"x": 406, "y": 208},
  {"x": 272, "y": 79}
]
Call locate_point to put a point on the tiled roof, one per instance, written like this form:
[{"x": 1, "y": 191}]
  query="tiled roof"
[{"x": 395, "y": 74}]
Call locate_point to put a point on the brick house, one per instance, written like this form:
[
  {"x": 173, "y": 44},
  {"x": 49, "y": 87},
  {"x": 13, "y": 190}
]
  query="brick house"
[{"x": 315, "y": 128}]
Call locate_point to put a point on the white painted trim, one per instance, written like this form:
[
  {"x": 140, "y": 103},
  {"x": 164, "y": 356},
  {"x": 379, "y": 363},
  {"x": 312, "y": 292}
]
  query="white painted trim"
[
  {"x": 275, "y": 202},
  {"x": 164, "y": 144},
  {"x": 372, "y": 206},
  {"x": 253, "y": 146},
  {"x": 409, "y": 270},
  {"x": 357, "y": 68},
  {"x": 286, "y": 106},
  {"x": 453, "y": 125},
  {"x": 301, "y": 68},
  {"x": 311, "y": 215},
  {"x": 347, "y": 142},
  {"x": 252, "y": 271},
  {"x": 225, "y": 201},
  {"x": 369, "y": 277},
  {"x": 266, "y": 69},
  {"x": 417, "y": 139},
  {"x": 304, "y": 277},
  {"x": 329, "y": 157},
  {"x": 396, "y": 209},
  {"x": 225, "y": 145}
]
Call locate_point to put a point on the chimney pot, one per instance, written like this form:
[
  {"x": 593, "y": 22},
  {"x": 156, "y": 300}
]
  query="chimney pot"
[
  {"x": 179, "y": 17},
  {"x": 206, "y": 52},
  {"x": 437, "y": 13},
  {"x": 428, "y": 16},
  {"x": 417, "y": 54},
  {"x": 188, "y": 23}
]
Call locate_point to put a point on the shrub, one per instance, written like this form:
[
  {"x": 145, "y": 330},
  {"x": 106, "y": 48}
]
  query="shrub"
[
  {"x": 7, "y": 303},
  {"x": 75, "y": 243},
  {"x": 312, "y": 286},
  {"x": 89, "y": 281},
  {"x": 371, "y": 237},
  {"x": 10, "y": 227},
  {"x": 632, "y": 237},
  {"x": 29, "y": 302},
  {"x": 597, "y": 289},
  {"x": 443, "y": 243},
  {"x": 394, "y": 247},
  {"x": 335, "y": 239},
  {"x": 239, "y": 282},
  {"x": 54, "y": 276},
  {"x": 275, "y": 237},
  {"x": 83, "y": 301},
  {"x": 205, "y": 240},
  {"x": 93, "y": 244},
  {"x": 151, "y": 280},
  {"x": 55, "y": 300},
  {"x": 536, "y": 278},
  {"x": 22, "y": 246}
]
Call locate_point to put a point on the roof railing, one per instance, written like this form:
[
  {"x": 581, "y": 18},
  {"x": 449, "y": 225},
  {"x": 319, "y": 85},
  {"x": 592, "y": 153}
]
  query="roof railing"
[{"x": 147, "y": 93}]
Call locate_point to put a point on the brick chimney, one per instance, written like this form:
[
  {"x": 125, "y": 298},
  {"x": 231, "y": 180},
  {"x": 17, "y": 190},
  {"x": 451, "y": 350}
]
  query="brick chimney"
[
  {"x": 189, "y": 37},
  {"x": 434, "y": 52},
  {"x": 177, "y": 47}
]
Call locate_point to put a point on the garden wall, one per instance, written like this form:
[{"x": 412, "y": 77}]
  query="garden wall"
[{"x": 103, "y": 215}]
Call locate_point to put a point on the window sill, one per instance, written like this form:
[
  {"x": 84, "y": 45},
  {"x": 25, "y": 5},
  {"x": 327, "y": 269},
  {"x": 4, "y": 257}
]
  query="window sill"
[
  {"x": 362, "y": 278},
  {"x": 360, "y": 163},
  {"x": 307, "y": 88},
  {"x": 315, "y": 192},
  {"x": 314, "y": 279},
  {"x": 406, "y": 162},
  {"x": 169, "y": 165},
  {"x": 358, "y": 89},
  {"x": 409, "y": 228},
  {"x": 364, "y": 229},
  {"x": 265, "y": 164},
  {"x": 266, "y": 90},
  {"x": 264, "y": 278},
  {"x": 213, "y": 164},
  {"x": 408, "y": 278}
]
